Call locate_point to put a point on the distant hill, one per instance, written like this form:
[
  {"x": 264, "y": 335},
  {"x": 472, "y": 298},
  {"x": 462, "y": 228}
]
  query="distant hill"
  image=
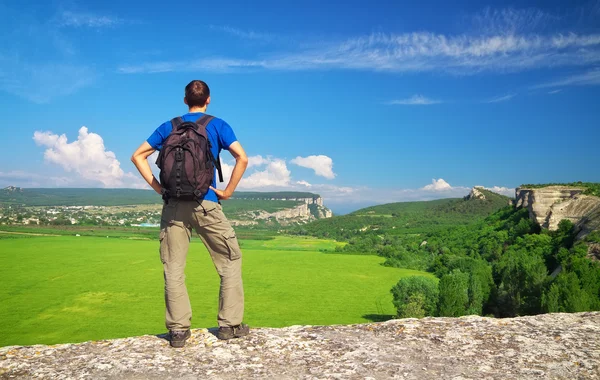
[
  {"x": 261, "y": 209},
  {"x": 117, "y": 197},
  {"x": 408, "y": 217},
  {"x": 77, "y": 197}
]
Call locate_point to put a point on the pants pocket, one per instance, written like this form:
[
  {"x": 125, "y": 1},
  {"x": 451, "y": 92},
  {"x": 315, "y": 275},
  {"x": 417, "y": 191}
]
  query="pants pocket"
[
  {"x": 232, "y": 245},
  {"x": 163, "y": 244},
  {"x": 208, "y": 213}
]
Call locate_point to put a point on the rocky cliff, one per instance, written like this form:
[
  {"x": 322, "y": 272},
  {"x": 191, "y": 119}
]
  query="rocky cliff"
[
  {"x": 549, "y": 205},
  {"x": 476, "y": 193},
  {"x": 310, "y": 209},
  {"x": 303, "y": 213},
  {"x": 549, "y": 346}
]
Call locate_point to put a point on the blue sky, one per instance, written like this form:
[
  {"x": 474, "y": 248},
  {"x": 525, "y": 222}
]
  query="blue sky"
[{"x": 362, "y": 102}]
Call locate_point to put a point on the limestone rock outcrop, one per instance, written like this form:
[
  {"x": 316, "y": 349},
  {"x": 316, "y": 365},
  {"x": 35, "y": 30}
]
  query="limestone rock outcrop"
[
  {"x": 475, "y": 193},
  {"x": 549, "y": 346},
  {"x": 311, "y": 209},
  {"x": 549, "y": 205}
]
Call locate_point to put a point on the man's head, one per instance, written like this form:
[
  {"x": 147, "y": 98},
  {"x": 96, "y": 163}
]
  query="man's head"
[{"x": 197, "y": 94}]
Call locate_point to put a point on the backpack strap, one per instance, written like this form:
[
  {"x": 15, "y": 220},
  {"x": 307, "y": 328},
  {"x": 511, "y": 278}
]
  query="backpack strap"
[
  {"x": 176, "y": 122},
  {"x": 203, "y": 122}
]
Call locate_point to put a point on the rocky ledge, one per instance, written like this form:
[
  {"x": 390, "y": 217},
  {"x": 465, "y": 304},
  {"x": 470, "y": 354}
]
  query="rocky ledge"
[{"x": 556, "y": 346}]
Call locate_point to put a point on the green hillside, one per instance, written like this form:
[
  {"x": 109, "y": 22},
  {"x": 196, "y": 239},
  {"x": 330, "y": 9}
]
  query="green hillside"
[
  {"x": 121, "y": 197},
  {"x": 405, "y": 218},
  {"x": 78, "y": 197}
]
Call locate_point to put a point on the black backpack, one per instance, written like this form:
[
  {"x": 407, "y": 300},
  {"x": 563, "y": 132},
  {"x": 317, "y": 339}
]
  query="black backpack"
[{"x": 186, "y": 163}]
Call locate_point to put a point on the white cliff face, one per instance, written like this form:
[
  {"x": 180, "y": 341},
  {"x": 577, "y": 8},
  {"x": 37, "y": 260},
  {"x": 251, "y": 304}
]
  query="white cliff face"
[
  {"x": 311, "y": 209},
  {"x": 549, "y": 205}
]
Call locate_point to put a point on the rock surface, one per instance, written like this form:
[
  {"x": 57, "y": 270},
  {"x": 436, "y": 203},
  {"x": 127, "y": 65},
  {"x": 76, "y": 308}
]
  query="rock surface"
[
  {"x": 476, "y": 193},
  {"x": 551, "y": 346},
  {"x": 549, "y": 205}
]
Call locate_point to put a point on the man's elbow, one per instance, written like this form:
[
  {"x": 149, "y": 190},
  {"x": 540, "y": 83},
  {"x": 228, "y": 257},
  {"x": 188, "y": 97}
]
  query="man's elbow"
[{"x": 242, "y": 160}]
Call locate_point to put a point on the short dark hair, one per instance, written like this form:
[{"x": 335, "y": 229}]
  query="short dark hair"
[{"x": 196, "y": 93}]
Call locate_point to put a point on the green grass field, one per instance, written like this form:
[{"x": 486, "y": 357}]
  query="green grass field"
[{"x": 69, "y": 289}]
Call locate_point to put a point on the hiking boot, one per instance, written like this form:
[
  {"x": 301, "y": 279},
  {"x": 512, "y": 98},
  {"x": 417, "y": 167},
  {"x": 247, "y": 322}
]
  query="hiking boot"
[
  {"x": 238, "y": 331},
  {"x": 177, "y": 338}
]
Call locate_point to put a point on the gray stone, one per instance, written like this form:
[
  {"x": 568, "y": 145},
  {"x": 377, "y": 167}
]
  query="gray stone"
[{"x": 549, "y": 346}]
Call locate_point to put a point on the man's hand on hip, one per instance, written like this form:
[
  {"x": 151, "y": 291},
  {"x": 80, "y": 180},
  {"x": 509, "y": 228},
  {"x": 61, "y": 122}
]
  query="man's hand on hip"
[{"x": 222, "y": 194}]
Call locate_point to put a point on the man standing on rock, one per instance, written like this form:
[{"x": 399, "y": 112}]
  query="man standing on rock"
[{"x": 204, "y": 214}]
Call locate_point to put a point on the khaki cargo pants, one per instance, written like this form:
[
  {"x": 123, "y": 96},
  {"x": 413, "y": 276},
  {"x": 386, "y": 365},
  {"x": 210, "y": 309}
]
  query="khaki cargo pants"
[{"x": 207, "y": 219}]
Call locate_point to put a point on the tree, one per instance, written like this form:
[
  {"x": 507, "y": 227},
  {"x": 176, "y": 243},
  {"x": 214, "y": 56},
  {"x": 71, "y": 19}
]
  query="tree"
[
  {"x": 521, "y": 275},
  {"x": 454, "y": 294},
  {"x": 415, "y": 296},
  {"x": 566, "y": 295}
]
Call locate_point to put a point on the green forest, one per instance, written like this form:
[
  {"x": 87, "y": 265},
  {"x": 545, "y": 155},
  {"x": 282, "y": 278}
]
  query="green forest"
[
  {"x": 488, "y": 257},
  {"x": 503, "y": 266}
]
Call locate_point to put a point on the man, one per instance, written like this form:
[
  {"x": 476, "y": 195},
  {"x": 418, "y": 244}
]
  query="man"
[{"x": 206, "y": 217}]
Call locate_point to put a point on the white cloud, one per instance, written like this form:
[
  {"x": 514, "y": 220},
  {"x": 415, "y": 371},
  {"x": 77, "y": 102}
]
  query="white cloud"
[
  {"x": 415, "y": 100},
  {"x": 464, "y": 54},
  {"x": 509, "y": 192},
  {"x": 87, "y": 157},
  {"x": 257, "y": 161},
  {"x": 276, "y": 174},
  {"x": 303, "y": 183},
  {"x": 438, "y": 185},
  {"x": 589, "y": 78},
  {"x": 500, "y": 99},
  {"x": 79, "y": 19},
  {"x": 322, "y": 165},
  {"x": 554, "y": 92}
]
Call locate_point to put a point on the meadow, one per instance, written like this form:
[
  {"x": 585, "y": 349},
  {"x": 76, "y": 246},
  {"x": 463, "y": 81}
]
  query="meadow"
[{"x": 69, "y": 289}]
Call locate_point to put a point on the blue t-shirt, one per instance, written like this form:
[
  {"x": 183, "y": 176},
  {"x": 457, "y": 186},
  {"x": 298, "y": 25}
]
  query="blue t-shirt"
[{"x": 219, "y": 133}]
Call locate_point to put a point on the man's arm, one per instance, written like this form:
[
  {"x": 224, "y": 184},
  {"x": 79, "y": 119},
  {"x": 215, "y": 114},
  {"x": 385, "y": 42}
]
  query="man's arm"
[
  {"x": 241, "y": 162},
  {"x": 140, "y": 160}
]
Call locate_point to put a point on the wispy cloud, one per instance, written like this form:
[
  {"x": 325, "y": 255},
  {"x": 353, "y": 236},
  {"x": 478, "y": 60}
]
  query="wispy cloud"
[
  {"x": 415, "y": 100},
  {"x": 39, "y": 61},
  {"x": 554, "y": 92},
  {"x": 492, "y": 21},
  {"x": 414, "y": 52},
  {"x": 28, "y": 179},
  {"x": 40, "y": 83},
  {"x": 244, "y": 34},
  {"x": 499, "y": 99},
  {"x": 90, "y": 20},
  {"x": 505, "y": 40},
  {"x": 589, "y": 78}
]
